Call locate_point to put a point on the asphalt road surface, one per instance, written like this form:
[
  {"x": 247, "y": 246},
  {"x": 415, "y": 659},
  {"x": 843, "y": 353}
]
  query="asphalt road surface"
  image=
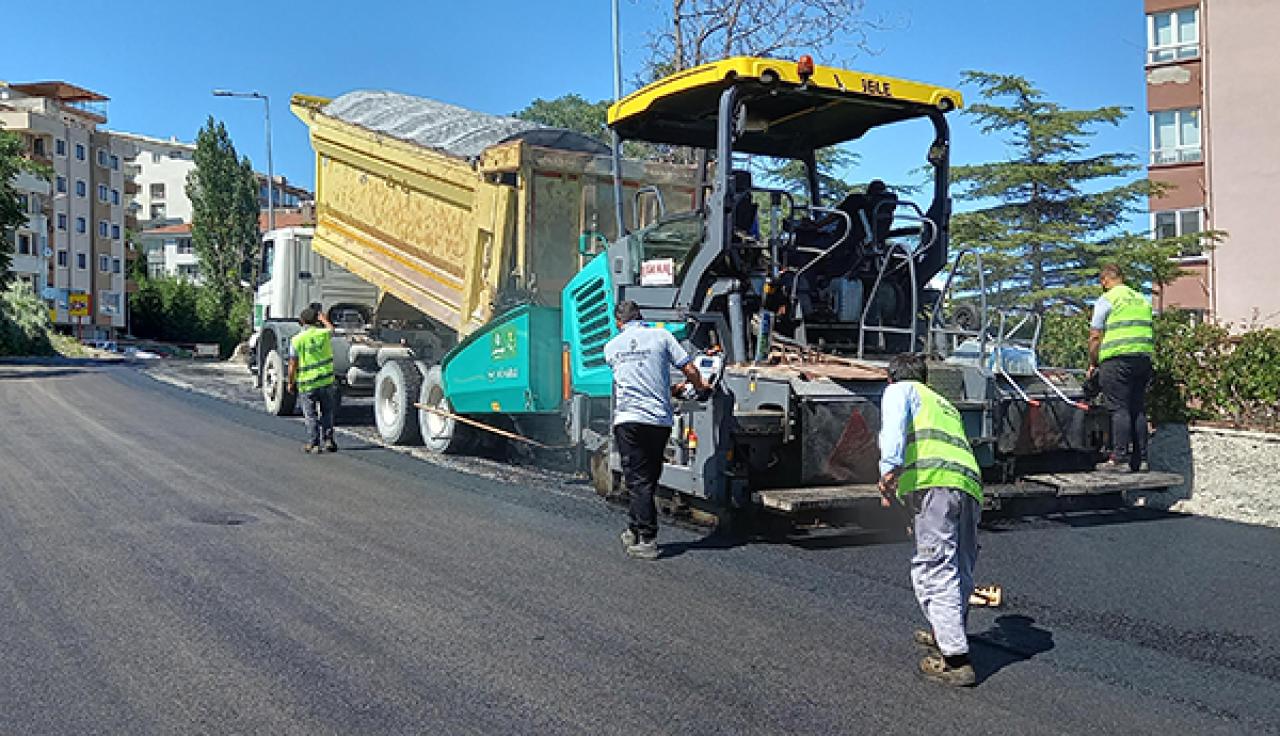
[{"x": 171, "y": 563}]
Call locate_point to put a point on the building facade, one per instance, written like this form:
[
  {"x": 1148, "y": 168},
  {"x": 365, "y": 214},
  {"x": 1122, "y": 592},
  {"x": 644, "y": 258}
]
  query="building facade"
[
  {"x": 159, "y": 168},
  {"x": 74, "y": 241},
  {"x": 1212, "y": 79}
]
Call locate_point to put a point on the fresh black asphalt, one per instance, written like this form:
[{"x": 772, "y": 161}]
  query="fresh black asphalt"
[{"x": 173, "y": 564}]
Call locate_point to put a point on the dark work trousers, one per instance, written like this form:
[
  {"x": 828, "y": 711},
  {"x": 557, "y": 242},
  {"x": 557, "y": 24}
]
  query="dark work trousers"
[
  {"x": 641, "y": 447},
  {"x": 317, "y": 410},
  {"x": 1124, "y": 380}
]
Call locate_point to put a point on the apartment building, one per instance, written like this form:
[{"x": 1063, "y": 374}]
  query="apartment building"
[
  {"x": 170, "y": 252},
  {"x": 1212, "y": 82},
  {"x": 160, "y": 168},
  {"x": 74, "y": 240}
]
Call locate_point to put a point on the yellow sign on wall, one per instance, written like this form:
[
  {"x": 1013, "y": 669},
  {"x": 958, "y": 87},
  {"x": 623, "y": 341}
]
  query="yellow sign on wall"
[{"x": 78, "y": 304}]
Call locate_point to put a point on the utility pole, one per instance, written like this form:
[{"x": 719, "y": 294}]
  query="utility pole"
[
  {"x": 271, "y": 173},
  {"x": 619, "y": 210}
]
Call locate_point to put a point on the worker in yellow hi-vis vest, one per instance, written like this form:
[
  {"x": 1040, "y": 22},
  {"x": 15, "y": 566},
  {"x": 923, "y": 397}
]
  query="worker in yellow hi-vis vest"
[
  {"x": 925, "y": 458},
  {"x": 1121, "y": 343},
  {"x": 311, "y": 378}
]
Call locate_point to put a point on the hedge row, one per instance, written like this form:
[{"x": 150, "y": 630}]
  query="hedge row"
[
  {"x": 1202, "y": 371},
  {"x": 175, "y": 310}
]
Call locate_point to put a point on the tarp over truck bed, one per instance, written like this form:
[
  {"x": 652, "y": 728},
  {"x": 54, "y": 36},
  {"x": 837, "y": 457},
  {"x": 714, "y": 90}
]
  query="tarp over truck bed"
[{"x": 454, "y": 211}]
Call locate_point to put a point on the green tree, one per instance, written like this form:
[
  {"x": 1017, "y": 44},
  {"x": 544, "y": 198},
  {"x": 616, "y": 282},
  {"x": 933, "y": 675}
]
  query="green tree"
[
  {"x": 224, "y": 211},
  {"x": 1047, "y": 216},
  {"x": 13, "y": 161},
  {"x": 571, "y": 111}
]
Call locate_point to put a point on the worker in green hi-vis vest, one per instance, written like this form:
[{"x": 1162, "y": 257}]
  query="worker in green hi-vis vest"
[
  {"x": 311, "y": 378},
  {"x": 927, "y": 462},
  {"x": 1121, "y": 343}
]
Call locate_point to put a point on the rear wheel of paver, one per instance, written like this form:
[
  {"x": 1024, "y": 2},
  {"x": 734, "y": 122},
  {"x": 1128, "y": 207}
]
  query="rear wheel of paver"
[
  {"x": 279, "y": 400},
  {"x": 396, "y": 388},
  {"x": 441, "y": 433}
]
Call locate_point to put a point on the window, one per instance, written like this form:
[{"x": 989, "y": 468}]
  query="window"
[
  {"x": 60, "y": 147},
  {"x": 115, "y": 162},
  {"x": 82, "y": 261},
  {"x": 1175, "y": 223},
  {"x": 103, "y": 193},
  {"x": 115, "y": 232},
  {"x": 24, "y": 202},
  {"x": 102, "y": 157},
  {"x": 115, "y": 196},
  {"x": 62, "y": 221},
  {"x": 24, "y": 244},
  {"x": 157, "y": 211},
  {"x": 176, "y": 154},
  {"x": 155, "y": 270},
  {"x": 62, "y": 259},
  {"x": 104, "y": 264},
  {"x": 82, "y": 225},
  {"x": 37, "y": 146},
  {"x": 188, "y": 270},
  {"x": 157, "y": 190},
  {"x": 1175, "y": 136},
  {"x": 155, "y": 157},
  {"x": 184, "y": 246},
  {"x": 61, "y": 184},
  {"x": 115, "y": 265},
  {"x": 109, "y": 302},
  {"x": 104, "y": 228},
  {"x": 1173, "y": 35},
  {"x": 82, "y": 189},
  {"x": 79, "y": 151}
]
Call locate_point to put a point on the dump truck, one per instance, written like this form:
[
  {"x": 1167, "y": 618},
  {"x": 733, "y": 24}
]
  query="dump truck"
[
  {"x": 792, "y": 304},
  {"x": 450, "y": 217}
]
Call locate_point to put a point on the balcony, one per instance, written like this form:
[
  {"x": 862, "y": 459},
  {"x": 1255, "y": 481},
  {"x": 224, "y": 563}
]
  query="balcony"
[
  {"x": 131, "y": 187},
  {"x": 1171, "y": 156},
  {"x": 132, "y": 170}
]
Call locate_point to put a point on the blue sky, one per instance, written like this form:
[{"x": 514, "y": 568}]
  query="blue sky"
[{"x": 159, "y": 60}]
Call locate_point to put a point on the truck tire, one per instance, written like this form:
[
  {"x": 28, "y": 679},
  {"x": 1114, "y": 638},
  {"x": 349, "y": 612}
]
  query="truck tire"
[
  {"x": 275, "y": 389},
  {"x": 397, "y": 387},
  {"x": 441, "y": 434}
]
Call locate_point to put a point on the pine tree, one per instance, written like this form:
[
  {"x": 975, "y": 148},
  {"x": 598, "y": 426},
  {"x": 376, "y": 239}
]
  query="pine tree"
[
  {"x": 1048, "y": 216},
  {"x": 224, "y": 211}
]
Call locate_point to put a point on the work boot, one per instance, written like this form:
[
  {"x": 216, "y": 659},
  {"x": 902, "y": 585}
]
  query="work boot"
[
  {"x": 311, "y": 449},
  {"x": 643, "y": 550},
  {"x": 924, "y": 638},
  {"x": 935, "y": 668},
  {"x": 331, "y": 446}
]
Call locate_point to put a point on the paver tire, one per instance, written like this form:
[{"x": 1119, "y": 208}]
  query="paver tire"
[
  {"x": 439, "y": 433},
  {"x": 276, "y": 395},
  {"x": 396, "y": 388}
]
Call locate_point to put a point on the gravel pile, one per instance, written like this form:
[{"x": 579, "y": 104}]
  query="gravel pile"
[{"x": 1228, "y": 473}]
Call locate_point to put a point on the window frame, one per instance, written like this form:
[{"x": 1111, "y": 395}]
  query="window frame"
[
  {"x": 82, "y": 188},
  {"x": 17, "y": 244},
  {"x": 82, "y": 226},
  {"x": 1178, "y": 45},
  {"x": 82, "y": 261},
  {"x": 63, "y": 257},
  {"x": 60, "y": 147},
  {"x": 80, "y": 152},
  {"x": 1177, "y": 226},
  {"x": 104, "y": 264},
  {"x": 1181, "y": 152}
]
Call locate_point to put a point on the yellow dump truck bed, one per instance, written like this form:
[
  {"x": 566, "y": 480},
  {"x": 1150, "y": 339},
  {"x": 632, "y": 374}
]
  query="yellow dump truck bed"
[{"x": 452, "y": 211}]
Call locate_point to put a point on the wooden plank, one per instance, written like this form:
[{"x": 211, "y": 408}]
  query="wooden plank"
[
  {"x": 1098, "y": 482},
  {"x": 820, "y": 497}
]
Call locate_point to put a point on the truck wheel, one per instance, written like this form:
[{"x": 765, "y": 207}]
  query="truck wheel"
[
  {"x": 397, "y": 387},
  {"x": 441, "y": 434},
  {"x": 275, "y": 392}
]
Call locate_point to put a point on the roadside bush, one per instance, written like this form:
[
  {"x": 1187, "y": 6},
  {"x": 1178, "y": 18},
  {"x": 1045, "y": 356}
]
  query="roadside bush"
[
  {"x": 174, "y": 310},
  {"x": 24, "y": 322},
  {"x": 1201, "y": 371}
]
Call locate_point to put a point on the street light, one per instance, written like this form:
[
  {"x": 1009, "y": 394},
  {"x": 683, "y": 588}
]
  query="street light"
[{"x": 271, "y": 174}]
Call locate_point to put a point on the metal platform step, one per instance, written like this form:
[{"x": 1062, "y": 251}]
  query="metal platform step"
[
  {"x": 1097, "y": 482},
  {"x": 820, "y": 498}
]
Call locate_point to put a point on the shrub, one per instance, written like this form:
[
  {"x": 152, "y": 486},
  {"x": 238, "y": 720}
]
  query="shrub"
[{"x": 24, "y": 322}]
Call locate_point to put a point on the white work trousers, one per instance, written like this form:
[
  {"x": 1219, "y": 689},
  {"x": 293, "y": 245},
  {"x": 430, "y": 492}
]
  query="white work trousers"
[{"x": 946, "y": 535}]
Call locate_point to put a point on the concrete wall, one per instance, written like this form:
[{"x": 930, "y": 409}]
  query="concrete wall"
[{"x": 1242, "y": 96}]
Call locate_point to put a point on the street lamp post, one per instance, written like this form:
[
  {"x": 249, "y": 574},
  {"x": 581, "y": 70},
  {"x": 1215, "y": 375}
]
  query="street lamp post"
[{"x": 271, "y": 174}]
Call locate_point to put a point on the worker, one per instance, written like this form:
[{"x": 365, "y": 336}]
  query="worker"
[
  {"x": 311, "y": 378},
  {"x": 641, "y": 357},
  {"x": 926, "y": 460},
  {"x": 1121, "y": 343}
]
